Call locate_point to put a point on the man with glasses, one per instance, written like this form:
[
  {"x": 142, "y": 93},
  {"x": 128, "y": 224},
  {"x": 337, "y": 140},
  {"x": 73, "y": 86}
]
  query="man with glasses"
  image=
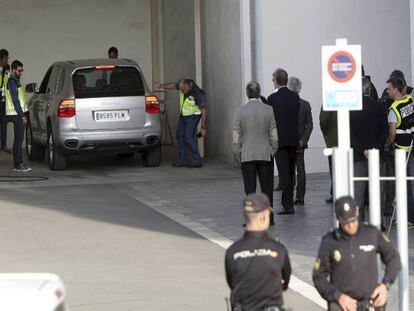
[
  {"x": 17, "y": 112},
  {"x": 257, "y": 267}
]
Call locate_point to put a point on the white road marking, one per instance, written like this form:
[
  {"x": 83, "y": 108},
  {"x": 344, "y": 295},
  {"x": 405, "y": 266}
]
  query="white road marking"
[{"x": 161, "y": 206}]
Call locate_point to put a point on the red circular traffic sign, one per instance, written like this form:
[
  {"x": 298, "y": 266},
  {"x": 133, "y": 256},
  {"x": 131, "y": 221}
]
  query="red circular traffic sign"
[{"x": 341, "y": 66}]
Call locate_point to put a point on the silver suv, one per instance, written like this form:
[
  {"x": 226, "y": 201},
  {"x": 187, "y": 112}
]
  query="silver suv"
[{"x": 95, "y": 105}]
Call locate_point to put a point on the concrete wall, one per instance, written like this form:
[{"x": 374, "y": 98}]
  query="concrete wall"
[
  {"x": 44, "y": 31},
  {"x": 289, "y": 34},
  {"x": 222, "y": 72},
  {"x": 178, "y": 49},
  {"x": 41, "y": 32}
]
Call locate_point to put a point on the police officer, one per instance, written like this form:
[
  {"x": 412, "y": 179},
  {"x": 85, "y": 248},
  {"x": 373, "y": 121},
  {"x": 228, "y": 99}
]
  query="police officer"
[
  {"x": 401, "y": 128},
  {"x": 193, "y": 109},
  {"x": 346, "y": 270},
  {"x": 17, "y": 112},
  {"x": 4, "y": 77},
  {"x": 257, "y": 267}
]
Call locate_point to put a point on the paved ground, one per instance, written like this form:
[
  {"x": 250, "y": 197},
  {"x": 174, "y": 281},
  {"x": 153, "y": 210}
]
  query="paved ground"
[{"x": 93, "y": 224}]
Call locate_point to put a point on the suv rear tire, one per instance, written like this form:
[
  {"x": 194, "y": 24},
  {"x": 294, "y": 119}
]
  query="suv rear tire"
[
  {"x": 128, "y": 155},
  {"x": 57, "y": 161},
  {"x": 152, "y": 157},
  {"x": 35, "y": 152}
]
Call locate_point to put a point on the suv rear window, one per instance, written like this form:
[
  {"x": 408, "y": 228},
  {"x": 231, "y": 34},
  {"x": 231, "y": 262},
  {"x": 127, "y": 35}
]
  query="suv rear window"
[{"x": 107, "y": 81}]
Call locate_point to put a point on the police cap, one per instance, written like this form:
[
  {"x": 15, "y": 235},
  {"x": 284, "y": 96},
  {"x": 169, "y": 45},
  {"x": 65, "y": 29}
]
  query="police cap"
[
  {"x": 346, "y": 209},
  {"x": 256, "y": 202}
]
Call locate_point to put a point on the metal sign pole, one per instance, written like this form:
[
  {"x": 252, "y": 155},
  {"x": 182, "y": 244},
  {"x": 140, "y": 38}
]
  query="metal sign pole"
[
  {"x": 374, "y": 188},
  {"x": 342, "y": 162},
  {"x": 402, "y": 227},
  {"x": 342, "y": 92}
]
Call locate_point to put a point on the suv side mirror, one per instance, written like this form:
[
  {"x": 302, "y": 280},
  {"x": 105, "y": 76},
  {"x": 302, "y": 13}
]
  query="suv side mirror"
[{"x": 31, "y": 88}]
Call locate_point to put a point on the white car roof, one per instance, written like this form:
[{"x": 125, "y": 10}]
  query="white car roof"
[{"x": 31, "y": 291}]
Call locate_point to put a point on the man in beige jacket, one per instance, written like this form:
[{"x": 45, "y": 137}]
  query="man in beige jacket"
[{"x": 255, "y": 142}]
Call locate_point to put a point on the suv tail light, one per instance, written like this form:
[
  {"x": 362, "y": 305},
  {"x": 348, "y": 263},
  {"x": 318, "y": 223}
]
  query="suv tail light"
[
  {"x": 152, "y": 104},
  {"x": 104, "y": 67},
  {"x": 67, "y": 108}
]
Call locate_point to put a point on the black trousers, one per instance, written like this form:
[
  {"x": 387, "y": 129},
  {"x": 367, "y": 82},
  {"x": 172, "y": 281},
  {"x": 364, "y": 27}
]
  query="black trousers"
[
  {"x": 18, "y": 139},
  {"x": 262, "y": 169},
  {"x": 285, "y": 160},
  {"x": 300, "y": 176},
  {"x": 330, "y": 174},
  {"x": 3, "y": 125}
]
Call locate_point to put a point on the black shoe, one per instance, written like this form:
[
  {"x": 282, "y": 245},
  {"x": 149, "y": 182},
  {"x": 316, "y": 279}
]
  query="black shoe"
[
  {"x": 299, "y": 202},
  {"x": 195, "y": 165},
  {"x": 22, "y": 168},
  {"x": 286, "y": 211},
  {"x": 178, "y": 164},
  {"x": 329, "y": 201}
]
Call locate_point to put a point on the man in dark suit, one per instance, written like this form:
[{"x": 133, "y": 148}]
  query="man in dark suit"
[
  {"x": 285, "y": 104},
  {"x": 305, "y": 124},
  {"x": 368, "y": 129}
]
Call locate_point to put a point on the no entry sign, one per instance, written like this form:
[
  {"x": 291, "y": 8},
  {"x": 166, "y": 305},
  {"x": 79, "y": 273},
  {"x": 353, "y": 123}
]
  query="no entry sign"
[
  {"x": 341, "y": 66},
  {"x": 341, "y": 77}
]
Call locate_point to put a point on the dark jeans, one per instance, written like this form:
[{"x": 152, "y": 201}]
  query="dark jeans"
[
  {"x": 186, "y": 136},
  {"x": 285, "y": 160},
  {"x": 19, "y": 128},
  {"x": 301, "y": 176},
  {"x": 3, "y": 125},
  {"x": 263, "y": 169}
]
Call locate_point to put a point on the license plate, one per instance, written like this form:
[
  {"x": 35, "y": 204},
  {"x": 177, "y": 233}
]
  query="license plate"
[{"x": 114, "y": 115}]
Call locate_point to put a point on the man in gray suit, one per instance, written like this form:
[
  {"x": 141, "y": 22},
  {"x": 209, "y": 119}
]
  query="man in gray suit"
[
  {"x": 255, "y": 142},
  {"x": 305, "y": 124}
]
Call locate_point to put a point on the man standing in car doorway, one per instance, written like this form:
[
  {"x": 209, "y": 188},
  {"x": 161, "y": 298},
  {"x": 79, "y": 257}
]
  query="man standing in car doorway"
[
  {"x": 113, "y": 52},
  {"x": 16, "y": 111},
  {"x": 193, "y": 108}
]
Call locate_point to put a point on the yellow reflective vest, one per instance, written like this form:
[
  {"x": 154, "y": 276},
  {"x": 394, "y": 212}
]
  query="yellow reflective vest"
[
  {"x": 3, "y": 83},
  {"x": 404, "y": 110},
  {"x": 188, "y": 106},
  {"x": 10, "y": 110}
]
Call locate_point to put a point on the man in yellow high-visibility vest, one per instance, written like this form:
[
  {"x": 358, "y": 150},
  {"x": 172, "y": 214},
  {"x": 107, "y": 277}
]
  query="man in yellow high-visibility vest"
[
  {"x": 401, "y": 130},
  {"x": 17, "y": 112},
  {"x": 4, "y": 77},
  {"x": 193, "y": 109}
]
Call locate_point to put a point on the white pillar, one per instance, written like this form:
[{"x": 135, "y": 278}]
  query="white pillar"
[
  {"x": 246, "y": 52},
  {"x": 198, "y": 60},
  {"x": 412, "y": 39},
  {"x": 374, "y": 188},
  {"x": 157, "y": 42},
  {"x": 402, "y": 229}
]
